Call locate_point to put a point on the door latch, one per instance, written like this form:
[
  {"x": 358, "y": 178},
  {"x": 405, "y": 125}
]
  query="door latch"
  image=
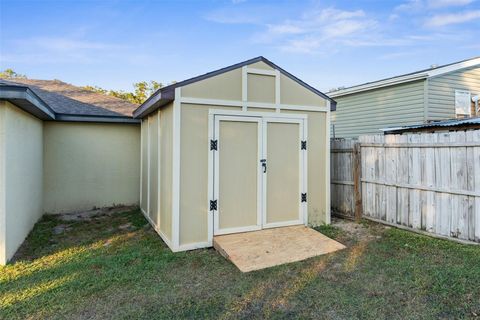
[{"x": 264, "y": 165}]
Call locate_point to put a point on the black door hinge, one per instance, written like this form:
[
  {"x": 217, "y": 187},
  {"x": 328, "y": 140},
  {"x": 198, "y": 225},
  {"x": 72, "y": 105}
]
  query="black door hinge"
[
  {"x": 304, "y": 197},
  {"x": 213, "y": 205},
  {"x": 304, "y": 145},
  {"x": 213, "y": 144}
]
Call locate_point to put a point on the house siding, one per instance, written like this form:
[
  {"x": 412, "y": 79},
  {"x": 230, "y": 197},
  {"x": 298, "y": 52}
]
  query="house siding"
[
  {"x": 369, "y": 111},
  {"x": 441, "y": 91}
]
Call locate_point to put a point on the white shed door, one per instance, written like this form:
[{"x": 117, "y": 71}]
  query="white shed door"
[{"x": 259, "y": 173}]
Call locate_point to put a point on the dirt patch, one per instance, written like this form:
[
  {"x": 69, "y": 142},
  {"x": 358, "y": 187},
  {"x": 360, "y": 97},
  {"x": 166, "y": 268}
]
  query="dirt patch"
[
  {"x": 359, "y": 231},
  {"x": 90, "y": 214}
]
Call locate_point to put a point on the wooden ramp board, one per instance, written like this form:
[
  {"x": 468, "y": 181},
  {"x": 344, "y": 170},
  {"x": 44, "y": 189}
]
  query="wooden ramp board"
[{"x": 272, "y": 247}]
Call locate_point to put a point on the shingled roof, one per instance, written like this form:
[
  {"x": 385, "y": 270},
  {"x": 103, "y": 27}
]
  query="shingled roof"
[{"x": 67, "y": 99}]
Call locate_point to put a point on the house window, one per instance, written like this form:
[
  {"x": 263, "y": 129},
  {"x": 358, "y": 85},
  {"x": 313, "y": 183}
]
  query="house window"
[{"x": 463, "y": 103}]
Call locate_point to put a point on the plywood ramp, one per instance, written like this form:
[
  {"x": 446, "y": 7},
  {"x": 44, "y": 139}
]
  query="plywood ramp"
[{"x": 272, "y": 247}]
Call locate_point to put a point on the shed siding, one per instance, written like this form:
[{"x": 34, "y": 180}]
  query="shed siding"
[
  {"x": 318, "y": 169},
  {"x": 153, "y": 129},
  {"x": 367, "y": 112},
  {"x": 21, "y": 203},
  {"x": 144, "y": 173},
  {"x": 441, "y": 91},
  {"x": 157, "y": 147},
  {"x": 166, "y": 168},
  {"x": 90, "y": 165},
  {"x": 194, "y": 172},
  {"x": 3, "y": 229}
]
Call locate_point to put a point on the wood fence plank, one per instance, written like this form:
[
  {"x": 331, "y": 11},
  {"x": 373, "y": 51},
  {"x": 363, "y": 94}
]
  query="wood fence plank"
[
  {"x": 428, "y": 179},
  {"x": 402, "y": 177},
  {"x": 414, "y": 176},
  {"x": 442, "y": 174},
  {"x": 476, "y": 157},
  {"x": 391, "y": 177},
  {"x": 469, "y": 137}
]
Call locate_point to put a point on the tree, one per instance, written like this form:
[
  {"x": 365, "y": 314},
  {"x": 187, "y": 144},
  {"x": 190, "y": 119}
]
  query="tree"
[
  {"x": 142, "y": 90},
  {"x": 10, "y": 73}
]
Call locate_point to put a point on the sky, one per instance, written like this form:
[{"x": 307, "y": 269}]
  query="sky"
[{"x": 328, "y": 44}]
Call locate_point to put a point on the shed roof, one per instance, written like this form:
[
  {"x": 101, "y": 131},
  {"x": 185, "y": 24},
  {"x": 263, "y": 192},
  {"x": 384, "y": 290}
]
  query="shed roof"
[
  {"x": 167, "y": 94},
  {"x": 409, "y": 77},
  {"x": 65, "y": 101},
  {"x": 452, "y": 123}
]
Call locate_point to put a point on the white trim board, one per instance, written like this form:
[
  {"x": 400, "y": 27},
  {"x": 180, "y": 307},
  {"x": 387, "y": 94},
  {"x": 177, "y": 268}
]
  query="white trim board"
[
  {"x": 245, "y": 104},
  {"x": 264, "y": 72},
  {"x": 176, "y": 170},
  {"x": 218, "y": 112}
]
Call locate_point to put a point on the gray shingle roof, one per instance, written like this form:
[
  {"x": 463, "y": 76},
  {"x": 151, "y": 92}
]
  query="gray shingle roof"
[{"x": 64, "y": 98}]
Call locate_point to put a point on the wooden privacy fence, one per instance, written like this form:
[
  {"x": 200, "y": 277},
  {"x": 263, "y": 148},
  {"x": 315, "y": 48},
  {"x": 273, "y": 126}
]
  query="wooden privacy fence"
[{"x": 425, "y": 182}]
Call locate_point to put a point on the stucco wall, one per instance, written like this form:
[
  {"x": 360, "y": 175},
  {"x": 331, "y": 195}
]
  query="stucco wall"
[
  {"x": 90, "y": 165},
  {"x": 21, "y": 196}
]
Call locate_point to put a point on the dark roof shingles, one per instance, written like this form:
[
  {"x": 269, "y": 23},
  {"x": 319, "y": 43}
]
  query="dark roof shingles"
[{"x": 67, "y": 99}]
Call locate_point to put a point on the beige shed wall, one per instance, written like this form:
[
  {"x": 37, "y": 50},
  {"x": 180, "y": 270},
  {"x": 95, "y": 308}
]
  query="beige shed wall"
[
  {"x": 369, "y": 111},
  {"x": 194, "y": 172},
  {"x": 3, "y": 229},
  {"x": 166, "y": 170},
  {"x": 226, "y": 86},
  {"x": 318, "y": 169},
  {"x": 144, "y": 166},
  {"x": 261, "y": 88},
  {"x": 90, "y": 165},
  {"x": 21, "y": 141},
  {"x": 293, "y": 93},
  {"x": 157, "y": 165},
  {"x": 441, "y": 91}
]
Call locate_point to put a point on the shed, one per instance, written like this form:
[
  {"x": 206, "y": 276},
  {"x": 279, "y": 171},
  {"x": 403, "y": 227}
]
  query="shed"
[{"x": 239, "y": 149}]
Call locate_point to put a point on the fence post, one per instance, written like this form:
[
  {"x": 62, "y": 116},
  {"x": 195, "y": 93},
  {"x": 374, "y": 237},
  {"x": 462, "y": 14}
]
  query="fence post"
[{"x": 357, "y": 182}]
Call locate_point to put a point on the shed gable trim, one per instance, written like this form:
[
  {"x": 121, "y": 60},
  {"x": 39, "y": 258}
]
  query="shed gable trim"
[{"x": 166, "y": 94}]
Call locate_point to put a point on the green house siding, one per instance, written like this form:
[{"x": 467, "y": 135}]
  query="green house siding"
[
  {"x": 369, "y": 111},
  {"x": 441, "y": 91}
]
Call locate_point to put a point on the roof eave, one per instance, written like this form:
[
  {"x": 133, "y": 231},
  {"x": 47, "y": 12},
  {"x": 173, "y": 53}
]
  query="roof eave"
[
  {"x": 27, "y": 100},
  {"x": 377, "y": 85},
  {"x": 93, "y": 118},
  {"x": 158, "y": 99}
]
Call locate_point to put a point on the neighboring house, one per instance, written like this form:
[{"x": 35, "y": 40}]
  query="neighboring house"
[
  {"x": 438, "y": 93},
  {"x": 232, "y": 151},
  {"x": 62, "y": 148}
]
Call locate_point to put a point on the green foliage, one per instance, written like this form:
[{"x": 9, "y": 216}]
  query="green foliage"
[
  {"x": 11, "y": 74},
  {"x": 142, "y": 90}
]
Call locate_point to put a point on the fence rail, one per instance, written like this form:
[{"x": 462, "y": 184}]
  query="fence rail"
[{"x": 425, "y": 182}]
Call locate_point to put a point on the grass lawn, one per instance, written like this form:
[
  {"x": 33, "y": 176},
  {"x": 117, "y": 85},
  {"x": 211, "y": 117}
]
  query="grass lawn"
[{"x": 117, "y": 267}]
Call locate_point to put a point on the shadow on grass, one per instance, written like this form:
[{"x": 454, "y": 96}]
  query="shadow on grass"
[{"x": 103, "y": 269}]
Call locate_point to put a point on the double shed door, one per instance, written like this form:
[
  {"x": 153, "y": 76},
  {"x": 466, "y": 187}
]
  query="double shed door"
[{"x": 259, "y": 173}]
